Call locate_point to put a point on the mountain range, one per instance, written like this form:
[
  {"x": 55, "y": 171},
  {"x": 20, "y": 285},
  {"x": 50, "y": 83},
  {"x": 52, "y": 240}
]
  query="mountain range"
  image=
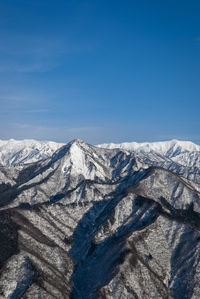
[{"x": 105, "y": 221}]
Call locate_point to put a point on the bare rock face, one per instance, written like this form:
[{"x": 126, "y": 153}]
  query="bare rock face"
[{"x": 89, "y": 222}]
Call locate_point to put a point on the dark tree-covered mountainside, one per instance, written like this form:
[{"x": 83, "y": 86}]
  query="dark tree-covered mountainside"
[{"x": 80, "y": 221}]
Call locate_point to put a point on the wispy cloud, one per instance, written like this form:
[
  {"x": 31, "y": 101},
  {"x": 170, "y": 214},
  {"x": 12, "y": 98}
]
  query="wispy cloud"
[
  {"x": 31, "y": 53},
  {"x": 11, "y": 98},
  {"x": 38, "y": 56},
  {"x": 27, "y": 97},
  {"x": 90, "y": 134},
  {"x": 37, "y": 111},
  {"x": 28, "y": 67},
  {"x": 59, "y": 134}
]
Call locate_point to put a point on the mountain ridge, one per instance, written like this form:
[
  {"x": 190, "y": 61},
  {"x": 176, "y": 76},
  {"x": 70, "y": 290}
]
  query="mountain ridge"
[
  {"x": 15, "y": 152},
  {"x": 160, "y": 146},
  {"x": 90, "y": 222}
]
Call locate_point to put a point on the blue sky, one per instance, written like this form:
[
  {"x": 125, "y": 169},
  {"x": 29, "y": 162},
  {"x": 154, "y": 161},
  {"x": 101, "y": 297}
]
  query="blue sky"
[{"x": 99, "y": 70}]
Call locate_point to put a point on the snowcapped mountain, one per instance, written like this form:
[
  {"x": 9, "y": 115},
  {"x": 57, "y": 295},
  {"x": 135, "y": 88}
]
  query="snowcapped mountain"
[
  {"x": 182, "y": 157},
  {"x": 166, "y": 148},
  {"x": 173, "y": 149},
  {"x": 13, "y": 152},
  {"x": 95, "y": 222}
]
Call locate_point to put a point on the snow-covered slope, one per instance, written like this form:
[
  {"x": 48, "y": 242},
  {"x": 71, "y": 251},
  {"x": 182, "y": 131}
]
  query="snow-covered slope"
[
  {"x": 167, "y": 148},
  {"x": 13, "y": 152},
  {"x": 89, "y": 222},
  {"x": 163, "y": 153}
]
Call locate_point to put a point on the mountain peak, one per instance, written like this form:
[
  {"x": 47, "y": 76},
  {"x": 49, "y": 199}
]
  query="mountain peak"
[
  {"x": 77, "y": 142},
  {"x": 88, "y": 222}
]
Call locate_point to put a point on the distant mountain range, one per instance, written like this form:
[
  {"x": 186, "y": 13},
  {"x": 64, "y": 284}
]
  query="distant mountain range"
[
  {"x": 106, "y": 221},
  {"x": 13, "y": 152},
  {"x": 183, "y": 152}
]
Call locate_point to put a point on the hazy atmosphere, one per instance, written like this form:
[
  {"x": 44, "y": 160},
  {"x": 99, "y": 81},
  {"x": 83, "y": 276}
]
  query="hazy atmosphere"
[{"x": 101, "y": 71}]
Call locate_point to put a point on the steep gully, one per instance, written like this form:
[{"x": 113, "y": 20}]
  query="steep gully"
[{"x": 96, "y": 263}]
